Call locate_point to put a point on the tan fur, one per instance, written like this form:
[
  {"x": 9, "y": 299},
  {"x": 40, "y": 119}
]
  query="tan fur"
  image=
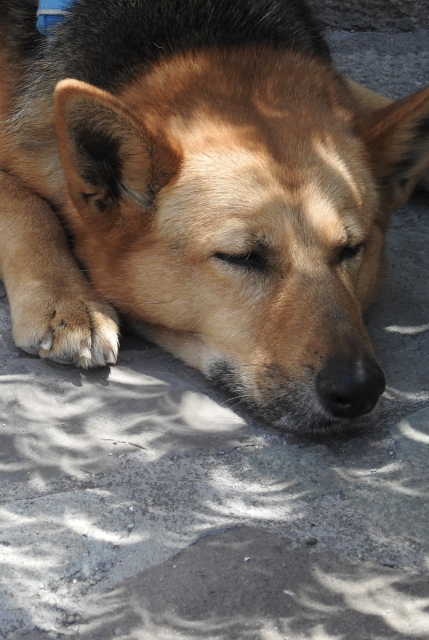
[
  {"x": 55, "y": 312},
  {"x": 368, "y": 101},
  {"x": 288, "y": 161}
]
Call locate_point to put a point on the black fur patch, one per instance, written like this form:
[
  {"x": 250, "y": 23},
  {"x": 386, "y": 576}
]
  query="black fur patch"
[
  {"x": 18, "y": 27},
  {"x": 106, "y": 43},
  {"x": 399, "y": 172},
  {"x": 101, "y": 162},
  {"x": 223, "y": 376},
  {"x": 422, "y": 129}
]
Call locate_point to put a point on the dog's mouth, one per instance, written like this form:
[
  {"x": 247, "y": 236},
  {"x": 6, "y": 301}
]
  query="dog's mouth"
[
  {"x": 290, "y": 405},
  {"x": 317, "y": 403},
  {"x": 319, "y": 424}
]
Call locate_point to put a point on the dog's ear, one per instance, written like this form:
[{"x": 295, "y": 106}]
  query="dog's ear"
[
  {"x": 397, "y": 138},
  {"x": 107, "y": 154}
]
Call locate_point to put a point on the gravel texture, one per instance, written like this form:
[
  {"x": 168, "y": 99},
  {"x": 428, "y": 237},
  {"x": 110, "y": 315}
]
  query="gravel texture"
[{"x": 373, "y": 15}]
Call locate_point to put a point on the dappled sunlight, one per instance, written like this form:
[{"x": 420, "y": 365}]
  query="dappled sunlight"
[
  {"x": 84, "y": 527},
  {"x": 306, "y": 597},
  {"x": 202, "y": 414},
  {"x": 321, "y": 212},
  {"x": 383, "y": 482},
  {"x": 235, "y": 501},
  {"x": 410, "y": 330},
  {"x": 327, "y": 152},
  {"x": 113, "y": 482},
  {"x": 380, "y": 596},
  {"x": 88, "y": 528},
  {"x": 413, "y": 434},
  {"x": 226, "y": 482},
  {"x": 23, "y": 557},
  {"x": 10, "y": 467},
  {"x": 152, "y": 503},
  {"x": 128, "y": 377},
  {"x": 172, "y": 627},
  {"x": 74, "y": 427},
  {"x": 310, "y": 601},
  {"x": 355, "y": 473},
  {"x": 314, "y": 634},
  {"x": 73, "y": 538},
  {"x": 272, "y": 511},
  {"x": 393, "y": 393},
  {"x": 321, "y": 634},
  {"x": 169, "y": 625},
  {"x": 109, "y": 474}
]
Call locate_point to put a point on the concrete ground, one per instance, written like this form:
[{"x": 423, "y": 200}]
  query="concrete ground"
[
  {"x": 136, "y": 504},
  {"x": 373, "y": 15}
]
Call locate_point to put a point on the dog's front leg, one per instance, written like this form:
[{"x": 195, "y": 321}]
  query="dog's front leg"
[{"x": 55, "y": 312}]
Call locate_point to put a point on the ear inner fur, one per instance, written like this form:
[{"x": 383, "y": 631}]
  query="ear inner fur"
[
  {"x": 397, "y": 137},
  {"x": 106, "y": 153}
]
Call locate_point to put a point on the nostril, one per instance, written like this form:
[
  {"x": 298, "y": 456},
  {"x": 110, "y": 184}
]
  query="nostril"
[
  {"x": 340, "y": 400},
  {"x": 350, "y": 387}
]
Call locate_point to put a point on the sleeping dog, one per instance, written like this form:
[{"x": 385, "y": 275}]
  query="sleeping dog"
[{"x": 202, "y": 169}]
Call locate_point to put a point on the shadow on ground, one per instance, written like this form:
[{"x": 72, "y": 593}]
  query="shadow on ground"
[{"x": 285, "y": 592}]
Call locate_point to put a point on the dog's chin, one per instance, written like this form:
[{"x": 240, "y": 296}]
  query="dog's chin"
[
  {"x": 307, "y": 421},
  {"x": 293, "y": 407},
  {"x": 325, "y": 426}
]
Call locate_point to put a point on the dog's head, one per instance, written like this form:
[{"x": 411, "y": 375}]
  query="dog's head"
[{"x": 236, "y": 206}]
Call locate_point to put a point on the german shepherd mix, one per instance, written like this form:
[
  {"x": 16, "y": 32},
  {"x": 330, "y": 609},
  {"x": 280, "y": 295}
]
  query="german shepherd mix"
[{"x": 219, "y": 183}]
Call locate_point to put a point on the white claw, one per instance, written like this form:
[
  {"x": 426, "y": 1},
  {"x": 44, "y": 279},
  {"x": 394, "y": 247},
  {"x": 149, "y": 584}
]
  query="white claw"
[
  {"x": 47, "y": 341},
  {"x": 110, "y": 356},
  {"x": 85, "y": 352}
]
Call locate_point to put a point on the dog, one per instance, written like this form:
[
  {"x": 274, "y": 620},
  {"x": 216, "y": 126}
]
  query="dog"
[{"x": 202, "y": 169}]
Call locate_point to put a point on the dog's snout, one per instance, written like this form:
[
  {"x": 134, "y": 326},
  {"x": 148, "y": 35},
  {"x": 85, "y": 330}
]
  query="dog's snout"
[{"x": 350, "y": 387}]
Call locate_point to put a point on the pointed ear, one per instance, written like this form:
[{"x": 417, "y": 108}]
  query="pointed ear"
[
  {"x": 397, "y": 138},
  {"x": 108, "y": 155}
]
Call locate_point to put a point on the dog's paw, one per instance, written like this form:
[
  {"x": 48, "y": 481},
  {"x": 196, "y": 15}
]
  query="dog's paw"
[{"x": 78, "y": 331}]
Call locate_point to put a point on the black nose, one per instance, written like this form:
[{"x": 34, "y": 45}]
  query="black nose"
[{"x": 350, "y": 387}]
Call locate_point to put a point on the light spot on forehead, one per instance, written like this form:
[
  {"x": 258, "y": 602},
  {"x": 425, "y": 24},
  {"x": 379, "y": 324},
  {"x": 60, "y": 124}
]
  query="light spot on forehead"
[
  {"x": 238, "y": 169},
  {"x": 326, "y": 151},
  {"x": 322, "y": 215},
  {"x": 225, "y": 201},
  {"x": 224, "y": 184}
]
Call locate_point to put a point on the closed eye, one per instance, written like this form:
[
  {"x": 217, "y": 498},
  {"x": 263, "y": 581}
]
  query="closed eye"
[
  {"x": 348, "y": 253},
  {"x": 253, "y": 260}
]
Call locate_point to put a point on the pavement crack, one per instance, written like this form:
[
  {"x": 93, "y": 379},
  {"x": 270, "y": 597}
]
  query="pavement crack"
[{"x": 130, "y": 444}]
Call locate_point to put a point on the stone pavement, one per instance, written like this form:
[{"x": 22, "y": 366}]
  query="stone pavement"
[
  {"x": 373, "y": 15},
  {"x": 136, "y": 504}
]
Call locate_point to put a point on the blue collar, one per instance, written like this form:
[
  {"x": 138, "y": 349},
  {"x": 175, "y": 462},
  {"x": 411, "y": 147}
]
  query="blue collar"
[{"x": 50, "y": 13}]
